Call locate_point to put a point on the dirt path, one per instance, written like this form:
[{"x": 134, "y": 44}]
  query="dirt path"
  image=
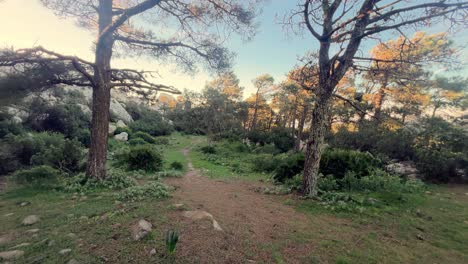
[{"x": 253, "y": 224}]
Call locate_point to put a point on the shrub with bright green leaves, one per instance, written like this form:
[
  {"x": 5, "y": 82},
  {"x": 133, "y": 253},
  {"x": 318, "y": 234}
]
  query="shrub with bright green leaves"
[
  {"x": 327, "y": 183},
  {"x": 145, "y": 136},
  {"x": 142, "y": 157},
  {"x": 339, "y": 161},
  {"x": 154, "y": 189},
  {"x": 38, "y": 176},
  {"x": 177, "y": 165}
]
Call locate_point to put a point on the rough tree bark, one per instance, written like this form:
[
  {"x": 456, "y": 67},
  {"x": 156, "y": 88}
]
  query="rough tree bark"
[
  {"x": 300, "y": 128},
  {"x": 97, "y": 157}
]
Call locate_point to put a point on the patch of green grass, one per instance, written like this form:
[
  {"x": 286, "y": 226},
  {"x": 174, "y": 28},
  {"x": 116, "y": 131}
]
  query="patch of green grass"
[{"x": 95, "y": 227}]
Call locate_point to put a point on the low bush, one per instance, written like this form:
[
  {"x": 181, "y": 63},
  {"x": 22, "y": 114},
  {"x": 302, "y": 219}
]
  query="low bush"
[
  {"x": 152, "y": 189},
  {"x": 339, "y": 161},
  {"x": 209, "y": 149},
  {"x": 142, "y": 157},
  {"x": 153, "y": 125},
  {"x": 145, "y": 136},
  {"x": 268, "y": 149},
  {"x": 264, "y": 163},
  {"x": 161, "y": 141},
  {"x": 137, "y": 141},
  {"x": 47, "y": 149},
  {"x": 327, "y": 183},
  {"x": 38, "y": 176},
  {"x": 115, "y": 180},
  {"x": 177, "y": 165},
  {"x": 289, "y": 167}
]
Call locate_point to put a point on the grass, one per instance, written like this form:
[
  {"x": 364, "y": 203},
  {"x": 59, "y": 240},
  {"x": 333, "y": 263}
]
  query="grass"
[{"x": 95, "y": 229}]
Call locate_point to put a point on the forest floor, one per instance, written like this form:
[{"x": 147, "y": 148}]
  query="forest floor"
[{"x": 256, "y": 228}]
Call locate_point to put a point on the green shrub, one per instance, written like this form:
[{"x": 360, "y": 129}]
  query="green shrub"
[
  {"x": 67, "y": 119},
  {"x": 209, "y": 149},
  {"x": 265, "y": 163},
  {"x": 177, "y": 165},
  {"x": 150, "y": 190},
  {"x": 143, "y": 157},
  {"x": 47, "y": 149},
  {"x": 294, "y": 183},
  {"x": 145, "y": 136},
  {"x": 327, "y": 183},
  {"x": 267, "y": 149},
  {"x": 137, "y": 141},
  {"x": 10, "y": 127},
  {"x": 339, "y": 161},
  {"x": 288, "y": 167},
  {"x": 38, "y": 176},
  {"x": 151, "y": 122},
  {"x": 161, "y": 141}
]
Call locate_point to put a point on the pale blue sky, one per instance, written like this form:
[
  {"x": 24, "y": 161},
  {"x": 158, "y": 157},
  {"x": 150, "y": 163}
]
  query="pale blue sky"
[{"x": 26, "y": 23}]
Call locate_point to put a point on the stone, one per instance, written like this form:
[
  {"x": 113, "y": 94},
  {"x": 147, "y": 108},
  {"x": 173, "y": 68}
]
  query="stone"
[
  {"x": 200, "y": 215},
  {"x": 31, "y": 220},
  {"x": 112, "y": 129},
  {"x": 24, "y": 203},
  {"x": 9, "y": 214},
  {"x": 120, "y": 123},
  {"x": 73, "y": 261},
  {"x": 13, "y": 254},
  {"x": 65, "y": 251},
  {"x": 122, "y": 136},
  {"x": 118, "y": 111},
  {"x": 405, "y": 168},
  {"x": 71, "y": 235},
  {"x": 141, "y": 229},
  {"x": 153, "y": 252}
]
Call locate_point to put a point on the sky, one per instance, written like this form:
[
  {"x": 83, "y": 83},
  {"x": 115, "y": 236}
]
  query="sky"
[{"x": 26, "y": 23}]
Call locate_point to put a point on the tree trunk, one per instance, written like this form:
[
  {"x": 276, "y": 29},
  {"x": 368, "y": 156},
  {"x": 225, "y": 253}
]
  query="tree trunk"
[
  {"x": 378, "y": 104},
  {"x": 315, "y": 143},
  {"x": 97, "y": 157},
  {"x": 434, "y": 111},
  {"x": 300, "y": 128},
  {"x": 254, "y": 118}
]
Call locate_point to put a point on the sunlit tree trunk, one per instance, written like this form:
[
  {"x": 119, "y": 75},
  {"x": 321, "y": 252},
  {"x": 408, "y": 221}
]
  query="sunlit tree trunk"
[{"x": 96, "y": 166}]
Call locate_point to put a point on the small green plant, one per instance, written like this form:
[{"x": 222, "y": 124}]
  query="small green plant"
[
  {"x": 153, "y": 189},
  {"x": 115, "y": 180},
  {"x": 161, "y": 141},
  {"x": 172, "y": 237},
  {"x": 177, "y": 165},
  {"x": 208, "y": 149}
]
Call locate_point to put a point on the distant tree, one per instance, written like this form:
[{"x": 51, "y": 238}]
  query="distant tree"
[
  {"x": 448, "y": 92},
  {"x": 180, "y": 31},
  {"x": 262, "y": 84},
  {"x": 404, "y": 62},
  {"x": 340, "y": 28},
  {"x": 227, "y": 83}
]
